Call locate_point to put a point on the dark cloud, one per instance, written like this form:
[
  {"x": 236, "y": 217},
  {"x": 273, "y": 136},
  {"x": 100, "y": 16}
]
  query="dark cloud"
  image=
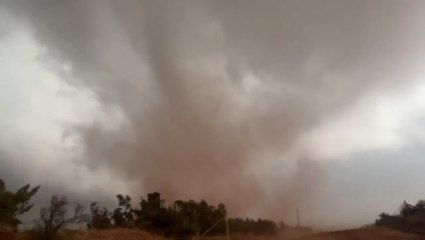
[{"x": 208, "y": 87}]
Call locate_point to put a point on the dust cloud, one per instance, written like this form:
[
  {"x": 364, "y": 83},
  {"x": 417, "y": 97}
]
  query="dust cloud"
[{"x": 214, "y": 95}]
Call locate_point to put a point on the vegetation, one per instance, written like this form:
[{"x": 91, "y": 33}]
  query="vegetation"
[
  {"x": 14, "y": 204},
  {"x": 180, "y": 219},
  {"x": 411, "y": 218},
  {"x": 258, "y": 227},
  {"x": 54, "y": 217},
  {"x": 100, "y": 217}
]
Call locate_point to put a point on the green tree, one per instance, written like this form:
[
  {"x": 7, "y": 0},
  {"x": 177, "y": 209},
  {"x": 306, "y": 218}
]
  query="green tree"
[{"x": 14, "y": 204}]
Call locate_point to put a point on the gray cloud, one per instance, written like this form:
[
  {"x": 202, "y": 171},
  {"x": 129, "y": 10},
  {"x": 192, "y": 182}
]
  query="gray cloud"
[{"x": 209, "y": 87}]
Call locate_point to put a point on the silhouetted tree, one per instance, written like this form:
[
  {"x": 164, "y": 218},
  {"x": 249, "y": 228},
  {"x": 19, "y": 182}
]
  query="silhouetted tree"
[
  {"x": 54, "y": 217},
  {"x": 123, "y": 216},
  {"x": 153, "y": 216},
  {"x": 409, "y": 219},
  {"x": 182, "y": 219},
  {"x": 420, "y": 204},
  {"x": 100, "y": 217},
  {"x": 13, "y": 204}
]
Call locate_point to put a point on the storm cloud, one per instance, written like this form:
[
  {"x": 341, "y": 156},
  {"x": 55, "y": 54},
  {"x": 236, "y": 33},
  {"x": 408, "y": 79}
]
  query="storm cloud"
[{"x": 214, "y": 99}]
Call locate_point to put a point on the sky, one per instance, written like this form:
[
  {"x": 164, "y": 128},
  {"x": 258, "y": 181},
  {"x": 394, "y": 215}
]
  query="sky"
[{"x": 266, "y": 106}]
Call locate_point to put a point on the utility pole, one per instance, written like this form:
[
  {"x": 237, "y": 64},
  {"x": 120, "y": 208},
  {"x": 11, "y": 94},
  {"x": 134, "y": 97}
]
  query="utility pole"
[{"x": 298, "y": 218}]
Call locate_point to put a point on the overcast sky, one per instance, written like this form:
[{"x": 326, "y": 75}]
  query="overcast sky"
[{"x": 267, "y": 106}]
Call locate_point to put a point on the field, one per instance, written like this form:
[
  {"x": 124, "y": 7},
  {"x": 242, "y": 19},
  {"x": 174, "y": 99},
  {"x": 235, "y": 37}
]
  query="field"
[
  {"x": 362, "y": 234},
  {"x": 128, "y": 234}
]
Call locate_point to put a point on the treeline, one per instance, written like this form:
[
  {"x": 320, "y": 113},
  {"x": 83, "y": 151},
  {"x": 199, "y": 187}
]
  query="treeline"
[
  {"x": 180, "y": 219},
  {"x": 410, "y": 218}
]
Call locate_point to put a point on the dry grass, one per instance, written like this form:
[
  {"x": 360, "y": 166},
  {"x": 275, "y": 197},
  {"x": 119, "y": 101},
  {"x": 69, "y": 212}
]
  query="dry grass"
[
  {"x": 6, "y": 233},
  {"x": 129, "y": 234},
  {"x": 363, "y": 234},
  {"x": 110, "y": 234},
  {"x": 5, "y": 228},
  {"x": 239, "y": 237}
]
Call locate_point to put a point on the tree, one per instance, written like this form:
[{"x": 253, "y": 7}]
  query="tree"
[
  {"x": 420, "y": 204},
  {"x": 100, "y": 217},
  {"x": 123, "y": 216},
  {"x": 55, "y": 217},
  {"x": 411, "y": 218},
  {"x": 14, "y": 204}
]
